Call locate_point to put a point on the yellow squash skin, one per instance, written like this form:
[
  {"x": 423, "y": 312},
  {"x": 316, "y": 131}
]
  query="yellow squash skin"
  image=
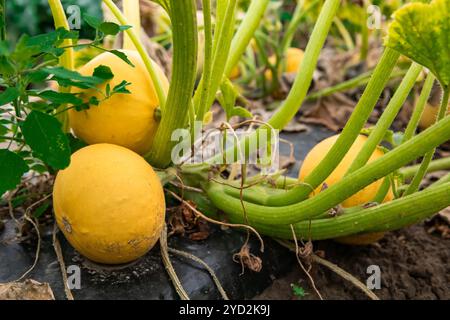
[
  {"x": 429, "y": 115},
  {"x": 364, "y": 196},
  {"x": 124, "y": 119},
  {"x": 294, "y": 58},
  {"x": 109, "y": 203}
]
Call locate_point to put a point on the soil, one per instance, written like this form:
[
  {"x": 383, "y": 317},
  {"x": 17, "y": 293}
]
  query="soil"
[{"x": 414, "y": 265}]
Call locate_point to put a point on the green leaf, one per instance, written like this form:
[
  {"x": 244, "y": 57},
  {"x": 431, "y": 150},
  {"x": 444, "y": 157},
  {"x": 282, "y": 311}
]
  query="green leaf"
[
  {"x": 12, "y": 168},
  {"x": 44, "y": 135},
  {"x": 60, "y": 97},
  {"x": 227, "y": 100},
  {"x": 122, "y": 87},
  {"x": 41, "y": 209},
  {"x": 75, "y": 143},
  {"x": 9, "y": 95},
  {"x": 421, "y": 32},
  {"x": 103, "y": 72},
  {"x": 122, "y": 56},
  {"x": 94, "y": 22},
  {"x": 109, "y": 28}
]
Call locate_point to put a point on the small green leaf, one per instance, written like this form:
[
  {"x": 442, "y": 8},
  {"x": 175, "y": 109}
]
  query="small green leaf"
[
  {"x": 109, "y": 28},
  {"x": 60, "y": 97},
  {"x": 41, "y": 209},
  {"x": 44, "y": 135},
  {"x": 103, "y": 72},
  {"x": 122, "y": 87},
  {"x": 122, "y": 56},
  {"x": 94, "y": 22},
  {"x": 12, "y": 168},
  {"x": 9, "y": 95},
  {"x": 421, "y": 32}
]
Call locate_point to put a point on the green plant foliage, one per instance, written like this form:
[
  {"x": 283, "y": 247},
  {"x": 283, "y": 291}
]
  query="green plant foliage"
[
  {"x": 421, "y": 32},
  {"x": 44, "y": 135},
  {"x": 12, "y": 167}
]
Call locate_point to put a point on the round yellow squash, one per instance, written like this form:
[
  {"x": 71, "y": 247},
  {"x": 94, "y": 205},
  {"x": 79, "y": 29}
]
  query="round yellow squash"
[
  {"x": 124, "y": 119},
  {"x": 294, "y": 58},
  {"x": 362, "y": 197},
  {"x": 109, "y": 203}
]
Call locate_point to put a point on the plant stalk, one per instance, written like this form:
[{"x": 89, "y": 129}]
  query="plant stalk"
[
  {"x": 67, "y": 60},
  {"x": 419, "y": 107},
  {"x": 351, "y": 131},
  {"x": 185, "y": 40},
  {"x": 386, "y": 119},
  {"x": 303, "y": 79},
  {"x": 228, "y": 198},
  {"x": 142, "y": 52},
  {"x": 415, "y": 183},
  {"x": 245, "y": 32},
  {"x": 393, "y": 215}
]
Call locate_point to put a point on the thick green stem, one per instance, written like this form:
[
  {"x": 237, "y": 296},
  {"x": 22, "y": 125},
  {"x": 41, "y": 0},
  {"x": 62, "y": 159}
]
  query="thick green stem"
[
  {"x": 245, "y": 32},
  {"x": 184, "y": 26},
  {"x": 222, "y": 197},
  {"x": 352, "y": 129},
  {"x": 355, "y": 82},
  {"x": 346, "y": 36},
  {"x": 386, "y": 119},
  {"x": 435, "y": 165},
  {"x": 303, "y": 79},
  {"x": 419, "y": 107},
  {"x": 131, "y": 33},
  {"x": 415, "y": 183},
  {"x": 67, "y": 60},
  {"x": 386, "y": 217},
  {"x": 223, "y": 33}
]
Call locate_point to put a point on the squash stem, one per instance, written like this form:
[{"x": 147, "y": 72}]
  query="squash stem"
[
  {"x": 67, "y": 60},
  {"x": 419, "y": 107},
  {"x": 185, "y": 40},
  {"x": 142, "y": 52},
  {"x": 245, "y": 32},
  {"x": 228, "y": 198},
  {"x": 415, "y": 183},
  {"x": 386, "y": 119}
]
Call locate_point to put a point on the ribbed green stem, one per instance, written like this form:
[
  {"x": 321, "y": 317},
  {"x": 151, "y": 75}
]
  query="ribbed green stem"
[
  {"x": 226, "y": 199},
  {"x": 441, "y": 181},
  {"x": 435, "y": 165},
  {"x": 303, "y": 79},
  {"x": 184, "y": 26},
  {"x": 223, "y": 34},
  {"x": 352, "y": 129},
  {"x": 245, "y": 32},
  {"x": 389, "y": 216},
  {"x": 355, "y": 82},
  {"x": 407, "y": 172},
  {"x": 67, "y": 60},
  {"x": 142, "y": 52},
  {"x": 419, "y": 107},
  {"x": 415, "y": 183},
  {"x": 386, "y": 119},
  {"x": 208, "y": 62}
]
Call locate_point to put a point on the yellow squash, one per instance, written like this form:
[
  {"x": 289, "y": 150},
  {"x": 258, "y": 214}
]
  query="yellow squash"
[
  {"x": 294, "y": 58},
  {"x": 124, "y": 119},
  {"x": 362, "y": 197},
  {"x": 109, "y": 203}
]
